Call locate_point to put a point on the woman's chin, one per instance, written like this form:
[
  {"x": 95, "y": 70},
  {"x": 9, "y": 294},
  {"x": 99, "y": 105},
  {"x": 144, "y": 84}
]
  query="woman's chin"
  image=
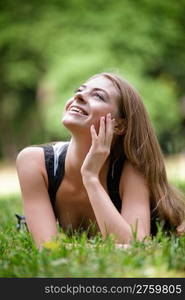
[{"x": 73, "y": 124}]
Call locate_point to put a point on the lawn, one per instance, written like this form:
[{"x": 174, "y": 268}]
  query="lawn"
[{"x": 78, "y": 256}]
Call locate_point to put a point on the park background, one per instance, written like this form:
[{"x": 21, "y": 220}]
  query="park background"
[{"x": 48, "y": 48}]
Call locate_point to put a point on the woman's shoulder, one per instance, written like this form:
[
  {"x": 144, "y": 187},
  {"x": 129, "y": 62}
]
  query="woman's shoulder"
[
  {"x": 130, "y": 169},
  {"x": 131, "y": 176},
  {"x": 37, "y": 151},
  {"x": 31, "y": 157},
  {"x": 31, "y": 154}
]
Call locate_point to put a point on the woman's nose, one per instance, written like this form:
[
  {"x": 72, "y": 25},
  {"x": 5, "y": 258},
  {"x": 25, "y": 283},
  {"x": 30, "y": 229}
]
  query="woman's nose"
[{"x": 80, "y": 96}]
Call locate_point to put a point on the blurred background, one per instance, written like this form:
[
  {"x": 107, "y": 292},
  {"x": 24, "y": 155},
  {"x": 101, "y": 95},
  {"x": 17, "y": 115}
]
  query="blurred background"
[{"x": 47, "y": 48}]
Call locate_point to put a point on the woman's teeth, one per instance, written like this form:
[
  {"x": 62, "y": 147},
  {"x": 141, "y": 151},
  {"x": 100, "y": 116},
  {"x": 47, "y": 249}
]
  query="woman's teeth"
[{"x": 77, "y": 110}]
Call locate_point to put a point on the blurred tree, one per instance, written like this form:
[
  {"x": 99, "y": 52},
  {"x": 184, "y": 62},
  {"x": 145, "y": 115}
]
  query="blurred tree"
[
  {"x": 48, "y": 47},
  {"x": 24, "y": 59}
]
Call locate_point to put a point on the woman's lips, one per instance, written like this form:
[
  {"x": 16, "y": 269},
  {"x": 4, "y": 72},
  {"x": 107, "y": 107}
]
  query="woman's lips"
[
  {"x": 78, "y": 110},
  {"x": 76, "y": 113}
]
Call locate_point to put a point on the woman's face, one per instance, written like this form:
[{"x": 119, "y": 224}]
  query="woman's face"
[{"x": 95, "y": 98}]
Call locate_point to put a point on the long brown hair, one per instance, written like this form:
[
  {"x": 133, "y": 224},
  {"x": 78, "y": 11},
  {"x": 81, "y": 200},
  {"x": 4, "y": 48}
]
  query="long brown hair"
[{"x": 142, "y": 149}]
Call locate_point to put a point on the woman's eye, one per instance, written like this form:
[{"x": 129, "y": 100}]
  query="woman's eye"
[{"x": 99, "y": 96}]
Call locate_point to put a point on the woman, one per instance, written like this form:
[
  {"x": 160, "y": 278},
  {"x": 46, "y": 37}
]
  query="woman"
[{"x": 111, "y": 172}]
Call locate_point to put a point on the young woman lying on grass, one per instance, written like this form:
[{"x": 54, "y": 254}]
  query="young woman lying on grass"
[{"x": 111, "y": 172}]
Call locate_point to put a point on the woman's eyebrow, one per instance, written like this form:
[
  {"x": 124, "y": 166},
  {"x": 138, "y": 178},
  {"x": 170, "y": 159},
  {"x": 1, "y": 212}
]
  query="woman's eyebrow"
[{"x": 96, "y": 89}]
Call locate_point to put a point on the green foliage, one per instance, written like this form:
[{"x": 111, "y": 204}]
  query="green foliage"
[
  {"x": 48, "y": 48},
  {"x": 78, "y": 256}
]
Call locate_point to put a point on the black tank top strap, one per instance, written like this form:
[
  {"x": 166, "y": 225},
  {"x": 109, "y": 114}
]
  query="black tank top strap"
[
  {"x": 113, "y": 180},
  {"x": 55, "y": 167},
  {"x": 49, "y": 163},
  {"x": 60, "y": 168}
]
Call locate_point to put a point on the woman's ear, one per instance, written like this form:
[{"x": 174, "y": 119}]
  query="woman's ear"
[{"x": 119, "y": 127}]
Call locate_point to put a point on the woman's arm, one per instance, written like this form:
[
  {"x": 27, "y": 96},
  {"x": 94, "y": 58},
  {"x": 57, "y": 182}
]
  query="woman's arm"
[
  {"x": 135, "y": 196},
  {"x": 135, "y": 207},
  {"x": 135, "y": 200},
  {"x": 37, "y": 206},
  {"x": 108, "y": 218}
]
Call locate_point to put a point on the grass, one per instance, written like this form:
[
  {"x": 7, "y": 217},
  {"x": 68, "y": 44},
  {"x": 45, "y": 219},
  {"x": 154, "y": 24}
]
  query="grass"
[{"x": 78, "y": 256}]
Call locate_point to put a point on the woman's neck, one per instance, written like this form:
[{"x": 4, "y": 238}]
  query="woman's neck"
[{"x": 76, "y": 153}]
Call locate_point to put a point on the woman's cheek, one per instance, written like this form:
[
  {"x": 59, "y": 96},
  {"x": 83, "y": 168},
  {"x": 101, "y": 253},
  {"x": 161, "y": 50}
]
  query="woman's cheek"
[
  {"x": 67, "y": 105},
  {"x": 96, "y": 122}
]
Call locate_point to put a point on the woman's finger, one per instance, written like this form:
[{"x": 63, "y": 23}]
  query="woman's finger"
[
  {"x": 109, "y": 130},
  {"x": 93, "y": 133},
  {"x": 101, "y": 134}
]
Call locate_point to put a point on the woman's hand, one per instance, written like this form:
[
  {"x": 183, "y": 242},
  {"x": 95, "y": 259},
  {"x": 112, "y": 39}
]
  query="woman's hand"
[{"x": 100, "y": 148}]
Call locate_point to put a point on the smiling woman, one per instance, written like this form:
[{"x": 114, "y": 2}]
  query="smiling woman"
[{"x": 111, "y": 172}]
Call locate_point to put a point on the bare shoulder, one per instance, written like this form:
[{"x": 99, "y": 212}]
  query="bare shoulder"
[
  {"x": 131, "y": 178},
  {"x": 31, "y": 158},
  {"x": 31, "y": 153},
  {"x": 130, "y": 170}
]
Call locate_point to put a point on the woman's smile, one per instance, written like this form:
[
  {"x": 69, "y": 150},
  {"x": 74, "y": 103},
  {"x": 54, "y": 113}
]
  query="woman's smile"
[
  {"x": 77, "y": 110},
  {"x": 74, "y": 112}
]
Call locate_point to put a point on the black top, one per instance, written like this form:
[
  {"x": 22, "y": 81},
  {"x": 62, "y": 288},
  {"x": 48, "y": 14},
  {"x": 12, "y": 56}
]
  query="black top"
[{"x": 113, "y": 177}]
